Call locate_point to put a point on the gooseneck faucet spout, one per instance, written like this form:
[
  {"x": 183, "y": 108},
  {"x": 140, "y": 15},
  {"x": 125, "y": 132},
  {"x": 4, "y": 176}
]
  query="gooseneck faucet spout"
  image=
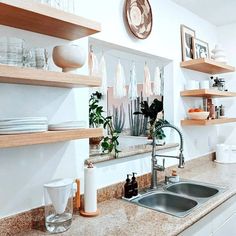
[{"x": 155, "y": 166}]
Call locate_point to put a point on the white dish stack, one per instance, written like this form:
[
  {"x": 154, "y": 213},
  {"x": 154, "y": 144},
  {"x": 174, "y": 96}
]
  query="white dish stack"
[
  {"x": 23, "y": 125},
  {"x": 218, "y": 54},
  {"x": 68, "y": 125}
]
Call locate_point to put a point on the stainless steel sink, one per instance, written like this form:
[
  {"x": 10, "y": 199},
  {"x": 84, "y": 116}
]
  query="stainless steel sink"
[
  {"x": 167, "y": 202},
  {"x": 177, "y": 199},
  {"x": 193, "y": 189}
]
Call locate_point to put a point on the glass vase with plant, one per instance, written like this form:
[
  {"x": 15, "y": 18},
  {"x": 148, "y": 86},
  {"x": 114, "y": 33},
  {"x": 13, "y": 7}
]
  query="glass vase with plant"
[
  {"x": 110, "y": 142},
  {"x": 151, "y": 112}
]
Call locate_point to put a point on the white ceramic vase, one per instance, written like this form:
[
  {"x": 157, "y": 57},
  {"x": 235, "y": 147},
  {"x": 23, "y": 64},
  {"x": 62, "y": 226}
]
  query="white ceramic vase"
[{"x": 69, "y": 57}]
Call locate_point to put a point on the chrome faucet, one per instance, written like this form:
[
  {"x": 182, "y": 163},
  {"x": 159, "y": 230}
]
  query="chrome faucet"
[{"x": 155, "y": 166}]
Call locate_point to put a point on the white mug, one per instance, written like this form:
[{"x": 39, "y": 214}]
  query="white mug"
[
  {"x": 204, "y": 84},
  {"x": 191, "y": 85}
]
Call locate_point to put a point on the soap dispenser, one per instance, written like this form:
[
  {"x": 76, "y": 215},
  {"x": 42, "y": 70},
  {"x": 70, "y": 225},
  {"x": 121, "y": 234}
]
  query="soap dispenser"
[
  {"x": 134, "y": 185},
  {"x": 128, "y": 191}
]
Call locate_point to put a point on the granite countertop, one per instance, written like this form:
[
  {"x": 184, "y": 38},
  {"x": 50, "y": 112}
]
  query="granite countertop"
[{"x": 119, "y": 217}]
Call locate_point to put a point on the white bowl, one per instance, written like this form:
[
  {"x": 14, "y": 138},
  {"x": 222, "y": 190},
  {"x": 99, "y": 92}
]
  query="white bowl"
[
  {"x": 198, "y": 115},
  {"x": 69, "y": 57}
]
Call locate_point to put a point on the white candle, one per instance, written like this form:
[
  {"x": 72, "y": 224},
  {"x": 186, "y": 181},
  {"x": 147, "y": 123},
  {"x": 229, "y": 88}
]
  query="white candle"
[{"x": 90, "y": 190}]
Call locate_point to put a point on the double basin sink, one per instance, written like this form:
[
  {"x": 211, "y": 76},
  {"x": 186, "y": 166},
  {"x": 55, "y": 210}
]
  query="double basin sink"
[{"x": 178, "y": 199}]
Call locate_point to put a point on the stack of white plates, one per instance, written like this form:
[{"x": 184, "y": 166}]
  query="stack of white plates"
[
  {"x": 69, "y": 125},
  {"x": 23, "y": 125}
]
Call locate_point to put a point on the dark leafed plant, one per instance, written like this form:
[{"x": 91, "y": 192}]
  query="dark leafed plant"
[
  {"x": 160, "y": 134},
  {"x": 151, "y": 113},
  {"x": 96, "y": 117}
]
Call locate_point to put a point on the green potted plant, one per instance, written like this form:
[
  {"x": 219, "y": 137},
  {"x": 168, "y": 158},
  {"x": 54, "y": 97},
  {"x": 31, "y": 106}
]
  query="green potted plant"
[
  {"x": 151, "y": 112},
  {"x": 96, "y": 119},
  {"x": 110, "y": 142}
]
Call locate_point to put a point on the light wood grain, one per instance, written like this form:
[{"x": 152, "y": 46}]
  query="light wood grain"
[
  {"x": 206, "y": 93},
  {"x": 207, "y": 122},
  {"x": 43, "y": 19},
  {"x": 77, "y": 196},
  {"x": 207, "y": 66},
  {"x": 16, "y": 140},
  {"x": 30, "y": 76}
]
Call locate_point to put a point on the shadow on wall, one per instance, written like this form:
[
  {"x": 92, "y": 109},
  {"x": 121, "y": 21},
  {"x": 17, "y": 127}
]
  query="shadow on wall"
[
  {"x": 37, "y": 101},
  {"x": 36, "y": 165},
  {"x": 199, "y": 138}
]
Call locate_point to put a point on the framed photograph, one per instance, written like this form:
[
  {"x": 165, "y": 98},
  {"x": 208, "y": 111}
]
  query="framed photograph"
[
  {"x": 200, "y": 49},
  {"x": 186, "y": 42}
]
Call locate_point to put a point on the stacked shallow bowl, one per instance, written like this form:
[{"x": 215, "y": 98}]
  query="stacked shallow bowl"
[
  {"x": 218, "y": 54},
  {"x": 12, "y": 51},
  {"x": 23, "y": 125}
]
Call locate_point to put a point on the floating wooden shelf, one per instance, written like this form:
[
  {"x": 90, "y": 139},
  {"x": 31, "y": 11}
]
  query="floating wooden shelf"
[
  {"x": 43, "y": 19},
  {"x": 30, "y": 76},
  {"x": 208, "y": 122},
  {"x": 206, "y": 93},
  {"x": 207, "y": 66},
  {"x": 16, "y": 140}
]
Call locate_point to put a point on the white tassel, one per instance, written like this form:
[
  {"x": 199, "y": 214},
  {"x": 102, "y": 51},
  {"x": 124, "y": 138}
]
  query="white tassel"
[
  {"x": 157, "y": 82},
  {"x": 147, "y": 88},
  {"x": 133, "y": 92},
  {"x": 119, "y": 90},
  {"x": 103, "y": 73},
  {"x": 92, "y": 64}
]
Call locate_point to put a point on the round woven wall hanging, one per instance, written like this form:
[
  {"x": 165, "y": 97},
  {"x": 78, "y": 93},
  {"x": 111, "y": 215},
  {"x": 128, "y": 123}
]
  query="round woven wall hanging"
[{"x": 139, "y": 17}]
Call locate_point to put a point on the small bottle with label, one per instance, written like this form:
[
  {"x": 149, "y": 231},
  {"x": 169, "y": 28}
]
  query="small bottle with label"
[
  {"x": 134, "y": 185},
  {"x": 128, "y": 190},
  {"x": 222, "y": 111},
  {"x": 217, "y": 112}
]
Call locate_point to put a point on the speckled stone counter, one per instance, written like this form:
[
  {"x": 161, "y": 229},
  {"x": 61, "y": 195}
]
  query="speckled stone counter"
[
  {"x": 126, "y": 152},
  {"x": 123, "y": 218}
]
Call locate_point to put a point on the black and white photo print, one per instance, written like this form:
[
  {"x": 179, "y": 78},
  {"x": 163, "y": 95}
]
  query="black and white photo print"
[
  {"x": 200, "y": 49},
  {"x": 186, "y": 42}
]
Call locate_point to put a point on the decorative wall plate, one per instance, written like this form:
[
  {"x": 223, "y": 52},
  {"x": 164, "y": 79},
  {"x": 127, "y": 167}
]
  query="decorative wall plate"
[{"x": 139, "y": 17}]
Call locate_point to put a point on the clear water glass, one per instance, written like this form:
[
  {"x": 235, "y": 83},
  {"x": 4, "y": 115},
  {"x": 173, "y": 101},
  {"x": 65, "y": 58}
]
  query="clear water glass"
[
  {"x": 37, "y": 58},
  {"x": 12, "y": 51}
]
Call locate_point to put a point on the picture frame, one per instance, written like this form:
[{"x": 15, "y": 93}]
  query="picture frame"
[
  {"x": 200, "y": 49},
  {"x": 186, "y": 42}
]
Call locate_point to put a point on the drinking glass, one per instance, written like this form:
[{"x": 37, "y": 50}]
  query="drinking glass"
[
  {"x": 37, "y": 58},
  {"x": 12, "y": 51}
]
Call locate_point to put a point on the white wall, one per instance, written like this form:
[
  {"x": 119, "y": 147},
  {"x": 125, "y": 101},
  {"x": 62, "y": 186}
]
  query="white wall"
[
  {"x": 227, "y": 38},
  {"x": 24, "y": 170}
]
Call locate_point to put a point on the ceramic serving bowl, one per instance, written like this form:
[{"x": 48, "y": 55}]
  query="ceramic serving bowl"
[
  {"x": 69, "y": 57},
  {"x": 198, "y": 115}
]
